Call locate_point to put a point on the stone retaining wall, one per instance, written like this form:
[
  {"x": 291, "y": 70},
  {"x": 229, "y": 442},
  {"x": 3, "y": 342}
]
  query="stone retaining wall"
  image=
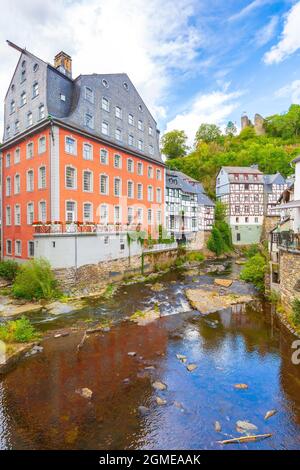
[
  {"x": 95, "y": 277},
  {"x": 270, "y": 222},
  {"x": 289, "y": 277}
]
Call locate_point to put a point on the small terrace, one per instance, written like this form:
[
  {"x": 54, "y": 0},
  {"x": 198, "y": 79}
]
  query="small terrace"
[{"x": 52, "y": 228}]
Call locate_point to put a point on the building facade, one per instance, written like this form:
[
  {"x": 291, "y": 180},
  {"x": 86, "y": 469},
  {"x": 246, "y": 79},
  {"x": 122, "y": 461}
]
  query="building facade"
[
  {"x": 78, "y": 156},
  {"x": 241, "y": 189},
  {"x": 188, "y": 209},
  {"x": 274, "y": 185}
]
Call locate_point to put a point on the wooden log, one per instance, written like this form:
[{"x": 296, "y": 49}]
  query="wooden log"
[{"x": 237, "y": 440}]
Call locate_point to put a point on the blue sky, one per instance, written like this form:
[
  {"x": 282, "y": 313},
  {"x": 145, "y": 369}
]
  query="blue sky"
[{"x": 193, "y": 61}]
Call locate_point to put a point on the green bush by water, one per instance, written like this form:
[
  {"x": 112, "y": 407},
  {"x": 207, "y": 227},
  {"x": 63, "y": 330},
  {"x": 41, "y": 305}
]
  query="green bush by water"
[
  {"x": 254, "y": 271},
  {"x": 35, "y": 280},
  {"x": 9, "y": 269},
  {"x": 296, "y": 311},
  {"x": 17, "y": 331}
]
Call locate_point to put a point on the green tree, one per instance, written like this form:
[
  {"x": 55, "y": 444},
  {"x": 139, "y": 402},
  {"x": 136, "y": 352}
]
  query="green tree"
[
  {"x": 231, "y": 129},
  {"x": 208, "y": 133},
  {"x": 220, "y": 240},
  {"x": 247, "y": 133},
  {"x": 215, "y": 242},
  {"x": 286, "y": 125},
  {"x": 35, "y": 280},
  {"x": 174, "y": 144}
]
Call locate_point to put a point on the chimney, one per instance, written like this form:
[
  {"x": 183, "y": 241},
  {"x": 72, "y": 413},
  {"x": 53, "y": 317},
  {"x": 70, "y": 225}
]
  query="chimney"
[{"x": 63, "y": 63}]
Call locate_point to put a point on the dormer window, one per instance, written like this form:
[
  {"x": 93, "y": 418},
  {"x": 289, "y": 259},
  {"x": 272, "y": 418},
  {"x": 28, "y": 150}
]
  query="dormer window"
[
  {"x": 150, "y": 130},
  {"x": 130, "y": 119},
  {"x": 12, "y": 106},
  {"x": 17, "y": 126},
  {"x": 41, "y": 112},
  {"x": 89, "y": 121},
  {"x": 118, "y": 112},
  {"x": 35, "y": 89},
  {"x": 105, "y": 104},
  {"x": 89, "y": 94},
  {"x": 23, "y": 98},
  {"x": 29, "y": 119},
  {"x": 140, "y": 125},
  {"x": 35, "y": 67},
  {"x": 23, "y": 76},
  {"x": 8, "y": 132}
]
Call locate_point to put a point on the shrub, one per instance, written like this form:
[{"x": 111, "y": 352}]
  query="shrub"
[
  {"x": 252, "y": 251},
  {"x": 8, "y": 269},
  {"x": 296, "y": 311},
  {"x": 18, "y": 331},
  {"x": 35, "y": 280},
  {"x": 195, "y": 256},
  {"x": 215, "y": 242},
  {"x": 254, "y": 271}
]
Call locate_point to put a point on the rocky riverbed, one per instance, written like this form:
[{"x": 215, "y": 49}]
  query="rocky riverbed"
[{"x": 184, "y": 379}]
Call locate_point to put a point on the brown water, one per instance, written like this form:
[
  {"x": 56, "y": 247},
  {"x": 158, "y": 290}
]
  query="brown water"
[{"x": 40, "y": 409}]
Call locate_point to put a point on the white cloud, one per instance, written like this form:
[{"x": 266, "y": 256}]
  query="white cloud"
[
  {"x": 248, "y": 9},
  {"x": 212, "y": 108},
  {"x": 290, "y": 38},
  {"x": 265, "y": 34},
  {"x": 292, "y": 91},
  {"x": 147, "y": 40}
]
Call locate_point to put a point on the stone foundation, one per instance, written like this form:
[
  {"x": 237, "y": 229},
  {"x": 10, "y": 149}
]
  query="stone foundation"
[
  {"x": 95, "y": 277},
  {"x": 289, "y": 277},
  {"x": 270, "y": 222},
  {"x": 198, "y": 242}
]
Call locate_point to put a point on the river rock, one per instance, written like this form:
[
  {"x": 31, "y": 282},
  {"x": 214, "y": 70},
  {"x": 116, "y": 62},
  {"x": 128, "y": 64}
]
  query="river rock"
[
  {"x": 131, "y": 353},
  {"x": 223, "y": 282},
  {"x": 85, "y": 393},
  {"x": 191, "y": 367},
  {"x": 160, "y": 401},
  {"x": 145, "y": 317},
  {"x": 149, "y": 368},
  {"x": 178, "y": 405},
  {"x": 60, "y": 308},
  {"x": 181, "y": 357},
  {"x": 159, "y": 385},
  {"x": 209, "y": 301},
  {"x": 241, "y": 386},
  {"x": 270, "y": 413},
  {"x": 143, "y": 410},
  {"x": 218, "y": 427},
  {"x": 157, "y": 287},
  {"x": 215, "y": 268},
  {"x": 244, "y": 426}
]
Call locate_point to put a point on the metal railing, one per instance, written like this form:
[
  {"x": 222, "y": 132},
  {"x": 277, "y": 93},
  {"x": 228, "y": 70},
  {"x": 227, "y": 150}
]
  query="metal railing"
[
  {"x": 289, "y": 240},
  {"x": 56, "y": 228}
]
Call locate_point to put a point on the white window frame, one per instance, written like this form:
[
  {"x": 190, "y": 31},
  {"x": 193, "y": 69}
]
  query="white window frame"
[
  {"x": 104, "y": 154},
  {"x": 17, "y": 214},
  {"x": 42, "y": 149},
  {"x": 88, "y": 97},
  {"x": 17, "y": 155},
  {"x": 18, "y": 243},
  {"x": 140, "y": 189},
  {"x": 140, "y": 165},
  {"x": 73, "y": 211},
  {"x": 91, "y": 181},
  {"x": 90, "y": 219},
  {"x": 130, "y": 160},
  {"x": 28, "y": 216},
  {"x": 75, "y": 145},
  {"x": 120, "y": 160},
  {"x": 118, "y": 114},
  {"x": 30, "y": 243},
  {"x": 106, "y": 193},
  {"x": 9, "y": 253},
  {"x": 131, "y": 119},
  {"x": 106, "y": 106},
  {"x": 107, "y": 127},
  {"x": 8, "y": 218},
  {"x": 29, "y": 145},
  {"x": 8, "y": 186},
  {"x": 120, "y": 214},
  {"x": 91, "y": 151},
  {"x": 17, "y": 175},
  {"x": 41, "y": 218},
  {"x": 150, "y": 199},
  {"x": 132, "y": 183},
  {"x": 29, "y": 188},
  {"x": 75, "y": 177},
  {"x": 117, "y": 178},
  {"x": 40, "y": 181}
]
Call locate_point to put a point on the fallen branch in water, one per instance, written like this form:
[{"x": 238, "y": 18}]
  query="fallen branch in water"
[
  {"x": 81, "y": 342},
  {"x": 237, "y": 440}
]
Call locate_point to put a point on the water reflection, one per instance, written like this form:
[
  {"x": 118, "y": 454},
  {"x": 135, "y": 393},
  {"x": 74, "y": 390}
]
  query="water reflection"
[{"x": 40, "y": 409}]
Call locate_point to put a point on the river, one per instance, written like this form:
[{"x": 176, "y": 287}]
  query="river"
[{"x": 40, "y": 407}]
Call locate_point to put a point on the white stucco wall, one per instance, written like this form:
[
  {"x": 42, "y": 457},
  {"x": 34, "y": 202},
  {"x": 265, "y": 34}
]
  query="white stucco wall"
[{"x": 68, "y": 250}]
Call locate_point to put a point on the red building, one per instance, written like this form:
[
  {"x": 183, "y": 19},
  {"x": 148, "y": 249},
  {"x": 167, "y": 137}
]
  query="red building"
[{"x": 78, "y": 156}]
